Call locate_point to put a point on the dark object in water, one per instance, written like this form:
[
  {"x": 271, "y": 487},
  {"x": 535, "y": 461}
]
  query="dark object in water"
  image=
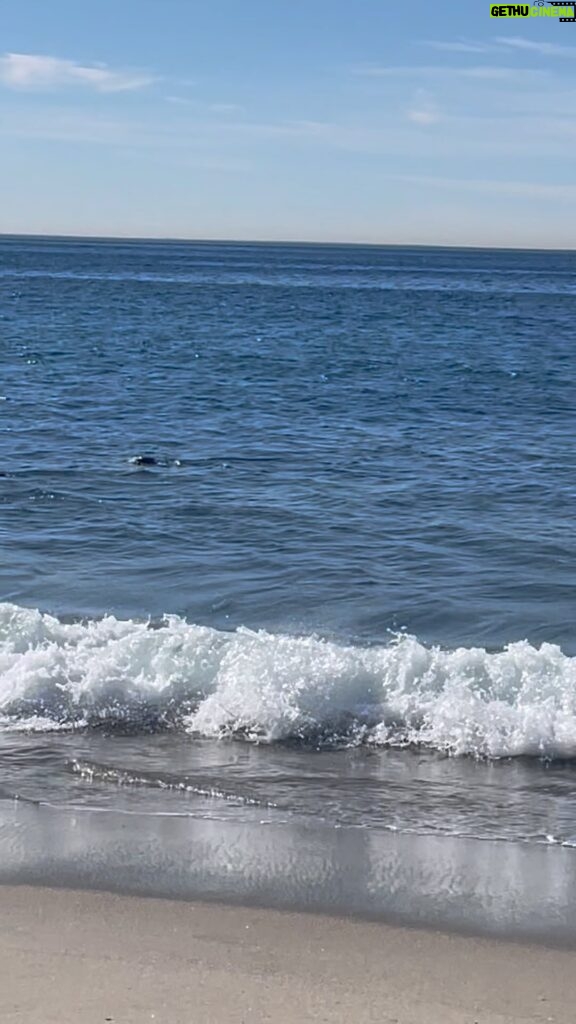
[{"x": 144, "y": 460}]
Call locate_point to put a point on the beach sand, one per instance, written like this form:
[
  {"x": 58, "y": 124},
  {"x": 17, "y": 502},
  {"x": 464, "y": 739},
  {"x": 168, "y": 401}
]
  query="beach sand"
[{"x": 89, "y": 958}]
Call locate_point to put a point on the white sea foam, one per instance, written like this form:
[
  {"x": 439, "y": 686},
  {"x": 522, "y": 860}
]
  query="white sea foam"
[{"x": 53, "y": 675}]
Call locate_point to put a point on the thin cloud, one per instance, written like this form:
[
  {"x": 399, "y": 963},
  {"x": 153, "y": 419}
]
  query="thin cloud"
[
  {"x": 545, "y": 49},
  {"x": 458, "y": 46},
  {"x": 423, "y": 111},
  {"x": 424, "y": 117},
  {"x": 515, "y": 189},
  {"x": 26, "y": 71},
  {"x": 499, "y": 44},
  {"x": 201, "y": 107},
  {"x": 482, "y": 71},
  {"x": 226, "y": 108},
  {"x": 202, "y": 128}
]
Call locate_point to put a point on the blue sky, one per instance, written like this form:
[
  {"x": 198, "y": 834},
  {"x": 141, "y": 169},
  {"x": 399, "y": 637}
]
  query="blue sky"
[{"x": 422, "y": 123}]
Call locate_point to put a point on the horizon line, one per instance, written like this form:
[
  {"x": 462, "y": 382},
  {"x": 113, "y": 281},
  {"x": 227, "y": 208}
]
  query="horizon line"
[{"x": 277, "y": 241}]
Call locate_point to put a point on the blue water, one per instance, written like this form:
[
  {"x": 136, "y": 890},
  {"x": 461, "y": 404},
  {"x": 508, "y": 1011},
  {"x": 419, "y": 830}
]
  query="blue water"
[
  {"x": 368, "y": 438},
  {"x": 363, "y": 462}
]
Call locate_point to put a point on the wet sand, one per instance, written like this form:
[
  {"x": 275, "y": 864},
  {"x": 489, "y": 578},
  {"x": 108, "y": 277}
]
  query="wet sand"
[
  {"x": 511, "y": 891},
  {"x": 78, "y": 956}
]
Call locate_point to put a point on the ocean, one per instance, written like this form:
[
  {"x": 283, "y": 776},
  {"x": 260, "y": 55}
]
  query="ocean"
[{"x": 287, "y": 561}]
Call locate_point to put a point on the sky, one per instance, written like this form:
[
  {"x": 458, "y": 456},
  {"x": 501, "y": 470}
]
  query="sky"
[{"x": 373, "y": 121}]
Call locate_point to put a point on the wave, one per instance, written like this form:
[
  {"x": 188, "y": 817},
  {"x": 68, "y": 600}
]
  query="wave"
[
  {"x": 203, "y": 786},
  {"x": 145, "y": 676}
]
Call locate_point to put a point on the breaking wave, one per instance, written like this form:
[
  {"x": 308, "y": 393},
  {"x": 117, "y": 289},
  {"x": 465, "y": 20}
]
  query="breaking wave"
[{"x": 140, "y": 676}]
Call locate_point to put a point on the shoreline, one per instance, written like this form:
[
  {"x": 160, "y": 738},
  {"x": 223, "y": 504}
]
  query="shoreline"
[
  {"x": 390, "y": 922},
  {"x": 459, "y": 887},
  {"x": 101, "y": 957}
]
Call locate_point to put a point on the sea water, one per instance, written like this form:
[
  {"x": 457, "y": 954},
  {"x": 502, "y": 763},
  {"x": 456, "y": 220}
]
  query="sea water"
[{"x": 287, "y": 535}]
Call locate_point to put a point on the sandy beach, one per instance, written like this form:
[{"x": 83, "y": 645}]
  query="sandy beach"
[{"x": 76, "y": 956}]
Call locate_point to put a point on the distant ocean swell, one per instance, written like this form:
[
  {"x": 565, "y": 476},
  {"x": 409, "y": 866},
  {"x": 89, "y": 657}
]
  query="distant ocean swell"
[{"x": 262, "y": 687}]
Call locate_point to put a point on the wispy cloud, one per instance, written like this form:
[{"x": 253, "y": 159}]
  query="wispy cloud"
[
  {"x": 200, "y": 129},
  {"x": 545, "y": 49},
  {"x": 514, "y": 189},
  {"x": 423, "y": 116},
  {"x": 26, "y": 71},
  {"x": 423, "y": 110},
  {"x": 226, "y": 109},
  {"x": 499, "y": 45},
  {"x": 458, "y": 46},
  {"x": 482, "y": 71}
]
